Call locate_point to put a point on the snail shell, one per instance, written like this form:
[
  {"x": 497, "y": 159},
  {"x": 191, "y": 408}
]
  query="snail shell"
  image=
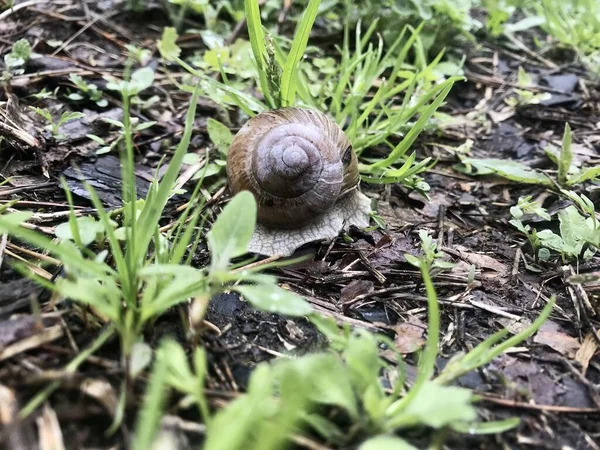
[{"x": 296, "y": 162}]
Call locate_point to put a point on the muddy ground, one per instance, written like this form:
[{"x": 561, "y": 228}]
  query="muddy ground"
[{"x": 550, "y": 382}]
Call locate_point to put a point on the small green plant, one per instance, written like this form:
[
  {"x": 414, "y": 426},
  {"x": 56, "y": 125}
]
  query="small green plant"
[
  {"x": 88, "y": 230},
  {"x": 54, "y": 127},
  {"x": 221, "y": 138},
  {"x": 524, "y": 96},
  {"x": 576, "y": 24},
  {"x": 107, "y": 147},
  {"x": 525, "y": 205},
  {"x": 45, "y": 94},
  {"x": 8, "y": 4},
  {"x": 579, "y": 236},
  {"x": 139, "y": 272},
  {"x": 290, "y": 397},
  {"x": 15, "y": 61},
  {"x": 568, "y": 175},
  {"x": 86, "y": 90},
  {"x": 140, "y": 80}
]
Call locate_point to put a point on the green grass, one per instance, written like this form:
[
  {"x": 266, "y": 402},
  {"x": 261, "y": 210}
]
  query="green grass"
[
  {"x": 290, "y": 397},
  {"x": 137, "y": 273},
  {"x": 360, "y": 92},
  {"x": 384, "y": 92},
  {"x": 575, "y": 24}
]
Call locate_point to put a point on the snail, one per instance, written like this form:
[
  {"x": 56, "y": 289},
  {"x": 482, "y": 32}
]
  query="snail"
[{"x": 303, "y": 173}]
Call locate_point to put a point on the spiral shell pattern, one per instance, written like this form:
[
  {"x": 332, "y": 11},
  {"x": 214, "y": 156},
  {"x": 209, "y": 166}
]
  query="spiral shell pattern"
[{"x": 297, "y": 162}]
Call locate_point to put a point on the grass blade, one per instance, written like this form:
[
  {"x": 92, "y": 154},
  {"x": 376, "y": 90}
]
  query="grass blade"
[
  {"x": 152, "y": 211},
  {"x": 414, "y": 132},
  {"x": 259, "y": 49},
  {"x": 289, "y": 76},
  {"x": 566, "y": 157},
  {"x": 148, "y": 422}
]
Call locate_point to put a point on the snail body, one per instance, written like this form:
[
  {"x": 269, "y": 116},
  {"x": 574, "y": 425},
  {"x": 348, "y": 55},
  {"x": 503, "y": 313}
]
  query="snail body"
[
  {"x": 296, "y": 162},
  {"x": 303, "y": 173}
]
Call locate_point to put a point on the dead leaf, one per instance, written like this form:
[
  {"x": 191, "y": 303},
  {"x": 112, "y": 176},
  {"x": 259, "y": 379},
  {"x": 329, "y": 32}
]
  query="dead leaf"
[
  {"x": 481, "y": 261},
  {"x": 502, "y": 115},
  {"x": 409, "y": 335},
  {"x": 588, "y": 348},
  {"x": 553, "y": 336},
  {"x": 354, "y": 289},
  {"x": 17, "y": 435},
  {"x": 103, "y": 392},
  {"x": 47, "y": 335},
  {"x": 50, "y": 434},
  {"x": 514, "y": 326}
]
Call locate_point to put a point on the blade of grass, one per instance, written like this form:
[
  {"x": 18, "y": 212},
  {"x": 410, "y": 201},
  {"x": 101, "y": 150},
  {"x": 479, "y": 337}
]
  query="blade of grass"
[
  {"x": 152, "y": 211},
  {"x": 289, "y": 75},
  {"x": 566, "y": 157},
  {"x": 259, "y": 49},
  {"x": 414, "y": 132},
  {"x": 148, "y": 420}
]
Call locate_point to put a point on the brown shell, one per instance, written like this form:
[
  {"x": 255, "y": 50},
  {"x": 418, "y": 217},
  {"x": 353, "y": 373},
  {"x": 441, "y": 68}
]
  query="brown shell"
[{"x": 297, "y": 163}]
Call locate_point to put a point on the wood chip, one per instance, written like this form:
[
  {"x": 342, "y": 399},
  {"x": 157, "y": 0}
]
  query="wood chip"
[
  {"x": 585, "y": 353},
  {"x": 50, "y": 434},
  {"x": 48, "y": 335},
  {"x": 553, "y": 336}
]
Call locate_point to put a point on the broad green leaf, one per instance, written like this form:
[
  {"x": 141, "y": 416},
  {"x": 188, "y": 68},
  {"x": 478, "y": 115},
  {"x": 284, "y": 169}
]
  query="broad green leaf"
[
  {"x": 510, "y": 170},
  {"x": 167, "y": 45},
  {"x": 179, "y": 375},
  {"x": 104, "y": 296},
  {"x": 589, "y": 174},
  {"x": 208, "y": 171},
  {"x": 191, "y": 158},
  {"x": 141, "y": 79},
  {"x": 220, "y": 135},
  {"x": 234, "y": 426},
  {"x": 97, "y": 139},
  {"x": 362, "y": 358},
  {"x": 141, "y": 356},
  {"x": 271, "y": 298},
  {"x": 326, "y": 380},
  {"x": 233, "y": 229},
  {"x": 88, "y": 227},
  {"x": 551, "y": 240},
  {"x": 437, "y": 406},
  {"x": 412, "y": 260},
  {"x": 576, "y": 229}
]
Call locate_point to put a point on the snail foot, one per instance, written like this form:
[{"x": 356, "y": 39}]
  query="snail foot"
[{"x": 352, "y": 209}]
